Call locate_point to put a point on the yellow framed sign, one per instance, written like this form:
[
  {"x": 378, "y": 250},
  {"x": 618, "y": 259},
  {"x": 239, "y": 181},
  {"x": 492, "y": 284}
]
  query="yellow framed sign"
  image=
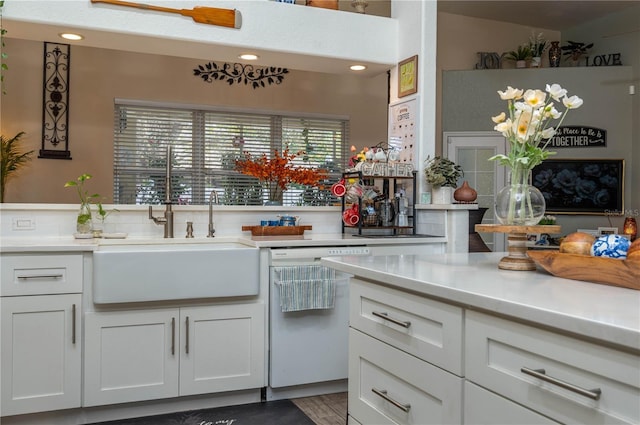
[{"x": 408, "y": 76}]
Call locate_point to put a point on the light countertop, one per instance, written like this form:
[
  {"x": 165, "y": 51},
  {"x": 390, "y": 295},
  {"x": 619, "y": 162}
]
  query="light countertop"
[
  {"x": 70, "y": 244},
  {"x": 606, "y": 313}
]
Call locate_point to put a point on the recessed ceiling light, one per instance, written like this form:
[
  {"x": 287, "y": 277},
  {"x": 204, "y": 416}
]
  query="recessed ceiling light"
[
  {"x": 357, "y": 67},
  {"x": 71, "y": 36},
  {"x": 248, "y": 56}
]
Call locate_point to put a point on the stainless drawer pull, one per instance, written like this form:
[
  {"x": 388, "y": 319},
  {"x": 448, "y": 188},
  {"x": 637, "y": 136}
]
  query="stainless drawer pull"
[
  {"x": 541, "y": 374},
  {"x": 41, "y": 276},
  {"x": 73, "y": 324},
  {"x": 186, "y": 348},
  {"x": 173, "y": 336},
  {"x": 386, "y": 316},
  {"x": 383, "y": 393}
]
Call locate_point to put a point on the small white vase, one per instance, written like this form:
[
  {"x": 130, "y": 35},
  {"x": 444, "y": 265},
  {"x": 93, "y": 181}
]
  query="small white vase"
[{"x": 441, "y": 195}]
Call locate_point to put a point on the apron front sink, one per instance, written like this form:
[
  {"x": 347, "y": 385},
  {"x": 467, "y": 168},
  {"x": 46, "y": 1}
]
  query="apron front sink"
[{"x": 157, "y": 272}]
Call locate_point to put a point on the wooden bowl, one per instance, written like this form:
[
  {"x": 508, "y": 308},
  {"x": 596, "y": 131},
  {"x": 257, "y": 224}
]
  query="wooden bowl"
[{"x": 607, "y": 271}]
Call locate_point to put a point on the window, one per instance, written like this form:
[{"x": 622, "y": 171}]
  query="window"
[{"x": 205, "y": 145}]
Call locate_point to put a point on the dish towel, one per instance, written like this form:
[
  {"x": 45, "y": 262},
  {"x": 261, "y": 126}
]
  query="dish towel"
[{"x": 306, "y": 288}]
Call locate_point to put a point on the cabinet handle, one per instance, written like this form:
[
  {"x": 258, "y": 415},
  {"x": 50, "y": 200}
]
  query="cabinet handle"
[
  {"x": 187, "y": 337},
  {"x": 386, "y": 316},
  {"x": 173, "y": 336},
  {"x": 73, "y": 324},
  {"x": 541, "y": 374},
  {"x": 383, "y": 393},
  {"x": 41, "y": 276}
]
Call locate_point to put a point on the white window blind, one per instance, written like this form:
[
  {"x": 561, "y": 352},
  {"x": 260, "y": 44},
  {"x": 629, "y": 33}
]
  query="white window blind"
[{"x": 205, "y": 145}]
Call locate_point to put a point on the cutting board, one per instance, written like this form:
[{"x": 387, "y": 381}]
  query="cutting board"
[{"x": 276, "y": 230}]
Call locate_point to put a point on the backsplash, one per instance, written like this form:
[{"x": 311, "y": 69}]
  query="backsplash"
[{"x": 58, "y": 220}]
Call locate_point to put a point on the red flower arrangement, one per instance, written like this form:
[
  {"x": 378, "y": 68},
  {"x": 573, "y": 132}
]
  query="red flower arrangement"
[{"x": 278, "y": 171}]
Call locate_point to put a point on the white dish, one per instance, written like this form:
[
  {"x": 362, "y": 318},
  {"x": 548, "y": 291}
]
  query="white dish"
[
  {"x": 114, "y": 235},
  {"x": 83, "y": 235}
]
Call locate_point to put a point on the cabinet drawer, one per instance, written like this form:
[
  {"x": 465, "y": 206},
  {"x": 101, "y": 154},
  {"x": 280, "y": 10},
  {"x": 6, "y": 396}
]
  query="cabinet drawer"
[
  {"x": 428, "y": 329},
  {"x": 40, "y": 274},
  {"x": 389, "y": 386},
  {"x": 482, "y": 407},
  {"x": 498, "y": 351}
]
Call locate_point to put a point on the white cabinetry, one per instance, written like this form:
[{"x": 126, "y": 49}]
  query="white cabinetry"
[
  {"x": 404, "y": 358},
  {"x": 564, "y": 378},
  {"x": 405, "y": 367},
  {"x": 41, "y": 334},
  {"x": 482, "y": 407},
  {"x": 148, "y": 354}
]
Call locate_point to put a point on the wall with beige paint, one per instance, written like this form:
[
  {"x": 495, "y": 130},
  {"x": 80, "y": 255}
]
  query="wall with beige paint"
[
  {"x": 460, "y": 38},
  {"x": 98, "y": 76}
]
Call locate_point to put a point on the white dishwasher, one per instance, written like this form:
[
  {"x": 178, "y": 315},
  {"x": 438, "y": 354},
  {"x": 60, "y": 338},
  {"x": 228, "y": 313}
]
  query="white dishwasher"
[{"x": 308, "y": 350}]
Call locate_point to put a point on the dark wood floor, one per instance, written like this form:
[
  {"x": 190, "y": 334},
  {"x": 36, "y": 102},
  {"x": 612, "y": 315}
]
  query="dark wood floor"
[{"x": 329, "y": 409}]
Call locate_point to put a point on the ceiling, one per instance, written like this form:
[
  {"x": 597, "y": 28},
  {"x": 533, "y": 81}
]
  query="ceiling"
[{"x": 552, "y": 15}]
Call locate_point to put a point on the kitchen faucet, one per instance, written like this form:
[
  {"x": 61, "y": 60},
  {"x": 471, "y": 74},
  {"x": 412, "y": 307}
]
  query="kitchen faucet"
[
  {"x": 213, "y": 196},
  {"x": 167, "y": 220}
]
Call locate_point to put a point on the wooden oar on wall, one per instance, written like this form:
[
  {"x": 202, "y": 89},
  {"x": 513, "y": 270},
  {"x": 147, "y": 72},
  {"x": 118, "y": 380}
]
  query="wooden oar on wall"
[{"x": 205, "y": 15}]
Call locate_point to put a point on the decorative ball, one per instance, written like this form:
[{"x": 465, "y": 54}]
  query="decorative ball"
[
  {"x": 611, "y": 246},
  {"x": 577, "y": 243}
]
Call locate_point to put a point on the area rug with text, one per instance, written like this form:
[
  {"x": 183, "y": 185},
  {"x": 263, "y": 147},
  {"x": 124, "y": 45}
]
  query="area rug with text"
[{"x": 280, "y": 412}]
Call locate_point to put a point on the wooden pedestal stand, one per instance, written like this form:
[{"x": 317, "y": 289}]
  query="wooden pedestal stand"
[{"x": 517, "y": 243}]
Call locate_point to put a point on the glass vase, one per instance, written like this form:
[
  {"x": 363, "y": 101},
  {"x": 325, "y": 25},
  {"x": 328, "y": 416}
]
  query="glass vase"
[
  {"x": 83, "y": 221},
  {"x": 275, "y": 194},
  {"x": 519, "y": 203}
]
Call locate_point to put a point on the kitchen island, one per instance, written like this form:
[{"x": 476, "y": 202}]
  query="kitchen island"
[{"x": 450, "y": 338}]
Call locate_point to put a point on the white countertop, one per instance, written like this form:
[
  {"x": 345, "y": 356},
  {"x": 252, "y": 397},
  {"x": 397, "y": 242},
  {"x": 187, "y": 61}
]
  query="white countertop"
[
  {"x": 607, "y": 313},
  {"x": 70, "y": 244}
]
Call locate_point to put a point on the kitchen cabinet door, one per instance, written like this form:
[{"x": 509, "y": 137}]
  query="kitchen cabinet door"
[
  {"x": 130, "y": 356},
  {"x": 221, "y": 348},
  {"x": 41, "y": 353}
]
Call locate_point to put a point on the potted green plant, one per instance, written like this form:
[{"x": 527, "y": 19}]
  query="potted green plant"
[
  {"x": 12, "y": 159},
  {"x": 84, "y": 223},
  {"x": 537, "y": 45},
  {"x": 442, "y": 174},
  {"x": 574, "y": 51},
  {"x": 520, "y": 56}
]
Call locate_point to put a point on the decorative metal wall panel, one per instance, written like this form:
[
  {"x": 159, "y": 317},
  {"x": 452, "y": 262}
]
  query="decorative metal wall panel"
[{"x": 55, "y": 106}]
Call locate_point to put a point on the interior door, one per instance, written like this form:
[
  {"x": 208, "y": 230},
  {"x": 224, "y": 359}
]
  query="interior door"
[{"x": 472, "y": 150}]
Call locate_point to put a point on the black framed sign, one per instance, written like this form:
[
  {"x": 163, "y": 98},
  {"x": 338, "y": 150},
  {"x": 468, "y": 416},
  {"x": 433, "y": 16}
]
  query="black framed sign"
[{"x": 581, "y": 186}]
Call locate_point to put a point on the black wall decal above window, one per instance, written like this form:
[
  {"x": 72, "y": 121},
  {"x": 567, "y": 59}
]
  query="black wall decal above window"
[
  {"x": 240, "y": 73},
  {"x": 55, "y": 103}
]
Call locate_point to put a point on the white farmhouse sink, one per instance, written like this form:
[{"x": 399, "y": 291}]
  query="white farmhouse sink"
[{"x": 170, "y": 271}]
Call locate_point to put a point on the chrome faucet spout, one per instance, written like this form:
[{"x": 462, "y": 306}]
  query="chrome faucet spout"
[
  {"x": 167, "y": 220},
  {"x": 213, "y": 197}
]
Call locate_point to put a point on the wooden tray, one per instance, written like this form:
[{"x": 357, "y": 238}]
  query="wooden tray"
[
  {"x": 608, "y": 271},
  {"x": 276, "y": 230}
]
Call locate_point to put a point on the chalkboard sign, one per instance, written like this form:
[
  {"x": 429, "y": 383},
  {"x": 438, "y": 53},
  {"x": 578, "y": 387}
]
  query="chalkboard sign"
[
  {"x": 579, "y": 137},
  {"x": 581, "y": 186}
]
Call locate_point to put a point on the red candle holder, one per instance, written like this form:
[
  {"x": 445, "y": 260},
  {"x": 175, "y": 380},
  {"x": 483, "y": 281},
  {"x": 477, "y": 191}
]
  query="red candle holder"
[{"x": 630, "y": 227}]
